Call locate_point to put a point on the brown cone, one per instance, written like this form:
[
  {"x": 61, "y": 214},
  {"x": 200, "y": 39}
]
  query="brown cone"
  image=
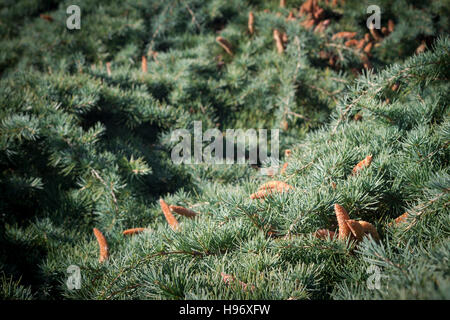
[
  {"x": 356, "y": 229},
  {"x": 370, "y": 229},
  {"x": 342, "y": 216}
]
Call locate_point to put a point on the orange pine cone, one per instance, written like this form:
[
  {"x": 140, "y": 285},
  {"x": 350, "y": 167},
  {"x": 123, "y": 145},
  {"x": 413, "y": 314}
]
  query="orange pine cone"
[
  {"x": 342, "y": 216},
  {"x": 46, "y": 17},
  {"x": 344, "y": 35},
  {"x": 360, "y": 44},
  {"x": 367, "y": 37},
  {"x": 103, "y": 245},
  {"x": 225, "y": 45},
  {"x": 287, "y": 153},
  {"x": 322, "y": 26},
  {"x": 356, "y": 229},
  {"x": 400, "y": 219},
  {"x": 307, "y": 7},
  {"x": 421, "y": 48},
  {"x": 318, "y": 13},
  {"x": 251, "y": 22},
  {"x": 283, "y": 169},
  {"x": 362, "y": 164},
  {"x": 324, "y": 234},
  {"x": 278, "y": 185},
  {"x": 173, "y": 223},
  {"x": 357, "y": 117},
  {"x": 183, "y": 211},
  {"x": 395, "y": 87},
  {"x": 351, "y": 43},
  {"x": 144, "y": 64},
  {"x": 278, "y": 41},
  {"x": 132, "y": 231},
  {"x": 308, "y": 24},
  {"x": 390, "y": 26},
  {"x": 282, "y": 3},
  {"x": 370, "y": 229},
  {"x": 272, "y": 186},
  {"x": 368, "y": 47}
]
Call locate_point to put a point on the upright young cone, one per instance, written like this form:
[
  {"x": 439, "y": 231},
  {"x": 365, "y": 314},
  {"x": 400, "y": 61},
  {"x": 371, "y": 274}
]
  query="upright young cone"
[
  {"x": 272, "y": 186},
  {"x": 320, "y": 28},
  {"x": 307, "y": 7},
  {"x": 342, "y": 216},
  {"x": 343, "y": 35},
  {"x": 368, "y": 47},
  {"x": 103, "y": 245},
  {"x": 360, "y": 44},
  {"x": 308, "y": 23},
  {"x": 351, "y": 43},
  {"x": 421, "y": 48},
  {"x": 183, "y": 211},
  {"x": 251, "y": 22},
  {"x": 282, "y": 3},
  {"x": 400, "y": 219},
  {"x": 275, "y": 185},
  {"x": 144, "y": 64},
  {"x": 278, "y": 41},
  {"x": 283, "y": 169},
  {"x": 287, "y": 153},
  {"x": 391, "y": 26},
  {"x": 362, "y": 164},
  {"x": 132, "y": 231},
  {"x": 173, "y": 223}
]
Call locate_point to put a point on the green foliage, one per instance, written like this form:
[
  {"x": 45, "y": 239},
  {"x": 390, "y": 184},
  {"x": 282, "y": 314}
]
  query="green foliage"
[{"x": 81, "y": 148}]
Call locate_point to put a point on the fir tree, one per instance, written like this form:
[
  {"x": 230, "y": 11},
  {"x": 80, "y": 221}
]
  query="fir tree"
[{"x": 85, "y": 128}]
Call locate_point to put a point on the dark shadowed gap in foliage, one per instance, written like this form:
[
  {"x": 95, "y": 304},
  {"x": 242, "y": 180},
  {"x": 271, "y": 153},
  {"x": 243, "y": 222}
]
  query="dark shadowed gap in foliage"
[{"x": 143, "y": 139}]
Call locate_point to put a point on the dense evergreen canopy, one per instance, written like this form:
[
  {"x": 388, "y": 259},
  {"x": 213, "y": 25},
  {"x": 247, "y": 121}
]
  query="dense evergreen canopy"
[{"x": 86, "y": 118}]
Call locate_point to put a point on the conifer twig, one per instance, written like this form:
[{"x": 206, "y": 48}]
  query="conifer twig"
[{"x": 192, "y": 15}]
